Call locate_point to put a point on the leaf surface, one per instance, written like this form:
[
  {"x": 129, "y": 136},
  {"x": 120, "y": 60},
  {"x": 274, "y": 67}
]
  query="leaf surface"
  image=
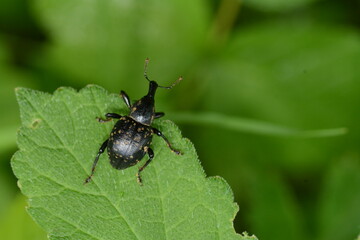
[{"x": 58, "y": 141}]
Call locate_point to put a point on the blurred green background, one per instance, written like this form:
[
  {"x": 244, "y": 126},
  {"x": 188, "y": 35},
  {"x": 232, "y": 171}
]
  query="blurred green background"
[{"x": 289, "y": 63}]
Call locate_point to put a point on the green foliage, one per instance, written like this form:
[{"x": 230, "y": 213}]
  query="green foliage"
[
  {"x": 10, "y": 78},
  {"x": 340, "y": 200},
  {"x": 277, "y": 5},
  {"x": 291, "y": 82},
  {"x": 250, "y": 125},
  {"x": 113, "y": 36},
  {"x": 308, "y": 78},
  {"x": 7, "y": 193},
  {"x": 58, "y": 140},
  {"x": 18, "y": 225},
  {"x": 255, "y": 73}
]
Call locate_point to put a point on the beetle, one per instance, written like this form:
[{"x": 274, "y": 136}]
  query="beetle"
[{"x": 131, "y": 136}]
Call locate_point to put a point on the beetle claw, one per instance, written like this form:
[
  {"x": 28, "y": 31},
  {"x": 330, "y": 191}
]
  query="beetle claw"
[
  {"x": 87, "y": 180},
  {"x": 178, "y": 152}
]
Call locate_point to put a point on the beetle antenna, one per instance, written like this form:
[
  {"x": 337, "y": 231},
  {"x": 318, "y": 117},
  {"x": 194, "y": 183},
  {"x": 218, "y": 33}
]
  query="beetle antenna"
[
  {"x": 145, "y": 69},
  {"x": 173, "y": 84},
  {"x": 147, "y": 78}
]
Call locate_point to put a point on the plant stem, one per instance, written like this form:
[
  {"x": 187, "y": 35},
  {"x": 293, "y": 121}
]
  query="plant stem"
[{"x": 226, "y": 15}]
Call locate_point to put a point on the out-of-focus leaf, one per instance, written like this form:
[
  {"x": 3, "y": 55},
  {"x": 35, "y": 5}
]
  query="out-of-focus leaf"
[
  {"x": 14, "y": 15},
  {"x": 291, "y": 74},
  {"x": 250, "y": 125},
  {"x": 277, "y": 5},
  {"x": 274, "y": 212},
  {"x": 17, "y": 224},
  {"x": 10, "y": 78},
  {"x": 306, "y": 78},
  {"x": 104, "y": 41},
  {"x": 3, "y": 52},
  {"x": 339, "y": 208},
  {"x": 7, "y": 138},
  {"x": 58, "y": 140},
  {"x": 7, "y": 192}
]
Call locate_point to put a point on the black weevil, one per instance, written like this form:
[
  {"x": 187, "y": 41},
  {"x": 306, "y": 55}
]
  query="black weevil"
[{"x": 131, "y": 136}]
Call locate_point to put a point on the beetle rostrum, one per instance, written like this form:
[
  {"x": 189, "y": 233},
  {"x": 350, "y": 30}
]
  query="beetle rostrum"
[{"x": 131, "y": 137}]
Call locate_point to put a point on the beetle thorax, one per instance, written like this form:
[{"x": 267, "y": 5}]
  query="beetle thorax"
[{"x": 143, "y": 110}]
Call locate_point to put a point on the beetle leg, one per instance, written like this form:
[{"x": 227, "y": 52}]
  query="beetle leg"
[
  {"x": 157, "y": 132},
  {"x": 126, "y": 99},
  {"x": 150, "y": 152},
  {"x": 159, "y": 115},
  {"x": 101, "y": 150},
  {"x": 109, "y": 116}
]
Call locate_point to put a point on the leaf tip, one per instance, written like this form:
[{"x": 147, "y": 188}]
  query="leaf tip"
[{"x": 19, "y": 91}]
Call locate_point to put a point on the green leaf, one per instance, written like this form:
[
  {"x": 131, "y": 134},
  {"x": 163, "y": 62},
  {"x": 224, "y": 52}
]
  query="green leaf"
[
  {"x": 308, "y": 80},
  {"x": 281, "y": 82},
  {"x": 276, "y": 206},
  {"x": 10, "y": 78},
  {"x": 277, "y": 5},
  {"x": 17, "y": 224},
  {"x": 58, "y": 141},
  {"x": 7, "y": 190},
  {"x": 251, "y": 125},
  {"x": 7, "y": 138},
  {"x": 339, "y": 208},
  {"x": 102, "y": 40}
]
